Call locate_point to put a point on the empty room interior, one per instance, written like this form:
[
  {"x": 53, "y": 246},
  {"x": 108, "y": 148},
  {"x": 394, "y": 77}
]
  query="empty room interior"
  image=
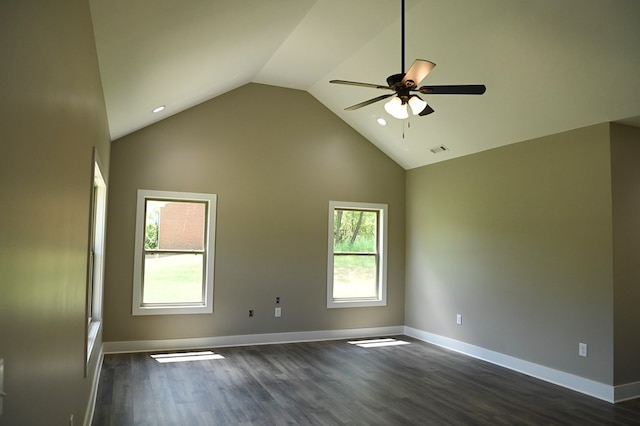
[{"x": 274, "y": 181}]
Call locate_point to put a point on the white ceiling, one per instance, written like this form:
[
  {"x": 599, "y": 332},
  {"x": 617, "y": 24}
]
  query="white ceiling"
[{"x": 549, "y": 65}]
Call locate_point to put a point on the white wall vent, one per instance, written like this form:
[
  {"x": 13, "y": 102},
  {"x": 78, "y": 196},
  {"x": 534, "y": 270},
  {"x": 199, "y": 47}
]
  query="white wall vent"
[{"x": 438, "y": 149}]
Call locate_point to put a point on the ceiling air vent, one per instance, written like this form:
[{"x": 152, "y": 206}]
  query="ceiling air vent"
[{"x": 438, "y": 149}]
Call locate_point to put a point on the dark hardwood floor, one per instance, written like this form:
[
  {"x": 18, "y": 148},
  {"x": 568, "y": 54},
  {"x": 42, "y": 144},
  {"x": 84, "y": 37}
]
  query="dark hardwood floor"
[{"x": 336, "y": 383}]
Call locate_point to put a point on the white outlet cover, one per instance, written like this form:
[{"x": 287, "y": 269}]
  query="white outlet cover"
[
  {"x": 278, "y": 312},
  {"x": 582, "y": 349},
  {"x": 459, "y": 319}
]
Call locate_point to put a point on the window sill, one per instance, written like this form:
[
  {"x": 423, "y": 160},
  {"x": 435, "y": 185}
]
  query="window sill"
[
  {"x": 355, "y": 303},
  {"x": 94, "y": 329},
  {"x": 172, "y": 310}
]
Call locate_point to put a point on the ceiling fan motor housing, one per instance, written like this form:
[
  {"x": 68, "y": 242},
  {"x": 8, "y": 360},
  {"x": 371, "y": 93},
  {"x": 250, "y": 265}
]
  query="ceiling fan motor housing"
[
  {"x": 402, "y": 88},
  {"x": 395, "y": 81}
]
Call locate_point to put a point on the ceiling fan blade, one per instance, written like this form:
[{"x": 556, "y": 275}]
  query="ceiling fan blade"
[
  {"x": 426, "y": 111},
  {"x": 461, "y": 89},
  {"x": 369, "y": 102},
  {"x": 417, "y": 72},
  {"x": 355, "y": 83}
]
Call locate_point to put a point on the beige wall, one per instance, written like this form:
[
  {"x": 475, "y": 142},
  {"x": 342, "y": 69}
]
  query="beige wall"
[
  {"x": 51, "y": 114},
  {"x": 519, "y": 241},
  {"x": 625, "y": 152},
  {"x": 274, "y": 166}
]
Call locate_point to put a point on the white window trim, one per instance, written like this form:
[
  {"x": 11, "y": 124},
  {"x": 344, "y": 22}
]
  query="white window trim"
[
  {"x": 137, "y": 307},
  {"x": 99, "y": 203},
  {"x": 381, "y": 298}
]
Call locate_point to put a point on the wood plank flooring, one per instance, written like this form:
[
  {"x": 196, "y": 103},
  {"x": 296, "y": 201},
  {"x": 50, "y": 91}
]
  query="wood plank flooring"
[{"x": 336, "y": 383}]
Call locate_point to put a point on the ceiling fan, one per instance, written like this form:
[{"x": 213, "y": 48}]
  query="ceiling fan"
[{"x": 403, "y": 86}]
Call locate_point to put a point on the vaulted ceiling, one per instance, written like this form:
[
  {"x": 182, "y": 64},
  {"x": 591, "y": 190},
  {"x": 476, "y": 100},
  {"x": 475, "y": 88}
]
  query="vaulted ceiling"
[{"x": 549, "y": 65}]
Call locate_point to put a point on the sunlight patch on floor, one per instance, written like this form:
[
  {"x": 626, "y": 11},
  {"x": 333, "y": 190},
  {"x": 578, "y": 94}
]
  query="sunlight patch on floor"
[
  {"x": 186, "y": 356},
  {"x": 376, "y": 343}
]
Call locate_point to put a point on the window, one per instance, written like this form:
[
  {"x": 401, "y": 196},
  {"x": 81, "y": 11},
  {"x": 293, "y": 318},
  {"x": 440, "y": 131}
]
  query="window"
[
  {"x": 95, "y": 268},
  {"x": 357, "y": 255},
  {"x": 175, "y": 239}
]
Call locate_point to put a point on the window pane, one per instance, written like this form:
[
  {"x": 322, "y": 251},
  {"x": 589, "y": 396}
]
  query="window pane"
[
  {"x": 175, "y": 225},
  {"x": 173, "y": 278},
  {"x": 354, "y": 231},
  {"x": 354, "y": 277}
]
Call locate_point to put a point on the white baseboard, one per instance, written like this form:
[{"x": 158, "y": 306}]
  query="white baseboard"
[
  {"x": 560, "y": 378},
  {"x": 627, "y": 391},
  {"x": 247, "y": 339}
]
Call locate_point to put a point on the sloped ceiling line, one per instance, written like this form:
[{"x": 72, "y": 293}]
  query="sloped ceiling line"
[{"x": 548, "y": 66}]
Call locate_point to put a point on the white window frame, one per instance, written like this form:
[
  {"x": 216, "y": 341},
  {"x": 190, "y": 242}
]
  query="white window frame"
[
  {"x": 138, "y": 307},
  {"x": 381, "y": 297},
  {"x": 95, "y": 262}
]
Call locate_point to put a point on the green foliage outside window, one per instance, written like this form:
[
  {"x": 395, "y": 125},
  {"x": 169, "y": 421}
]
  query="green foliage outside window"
[
  {"x": 354, "y": 231},
  {"x": 151, "y": 236},
  {"x": 151, "y": 225}
]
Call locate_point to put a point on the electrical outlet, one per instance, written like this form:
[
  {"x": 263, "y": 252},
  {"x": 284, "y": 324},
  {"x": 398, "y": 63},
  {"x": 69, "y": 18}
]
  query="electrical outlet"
[
  {"x": 278, "y": 312},
  {"x": 277, "y": 299},
  {"x": 582, "y": 349},
  {"x": 250, "y": 313},
  {"x": 459, "y": 319}
]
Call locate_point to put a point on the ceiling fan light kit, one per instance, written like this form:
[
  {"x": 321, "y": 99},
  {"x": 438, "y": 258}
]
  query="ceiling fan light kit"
[
  {"x": 404, "y": 83},
  {"x": 396, "y": 108},
  {"x": 417, "y": 104}
]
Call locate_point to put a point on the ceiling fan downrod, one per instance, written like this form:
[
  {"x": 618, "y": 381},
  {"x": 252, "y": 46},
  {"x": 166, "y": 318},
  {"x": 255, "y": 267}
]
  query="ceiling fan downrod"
[{"x": 402, "y": 37}]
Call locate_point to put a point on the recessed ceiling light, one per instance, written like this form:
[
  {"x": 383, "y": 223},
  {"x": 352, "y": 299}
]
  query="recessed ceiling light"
[
  {"x": 158, "y": 109},
  {"x": 381, "y": 121}
]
